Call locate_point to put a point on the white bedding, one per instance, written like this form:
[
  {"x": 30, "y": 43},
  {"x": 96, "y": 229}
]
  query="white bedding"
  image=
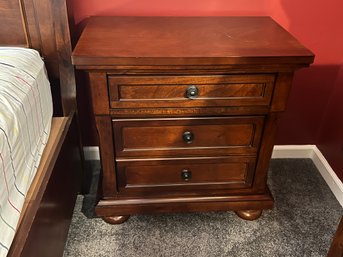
[{"x": 25, "y": 120}]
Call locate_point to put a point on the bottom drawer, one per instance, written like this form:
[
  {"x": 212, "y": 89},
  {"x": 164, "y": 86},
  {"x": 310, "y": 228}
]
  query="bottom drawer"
[{"x": 185, "y": 174}]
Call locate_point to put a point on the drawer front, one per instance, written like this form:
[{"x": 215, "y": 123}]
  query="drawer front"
[
  {"x": 185, "y": 174},
  {"x": 187, "y": 137},
  {"x": 190, "y": 91}
]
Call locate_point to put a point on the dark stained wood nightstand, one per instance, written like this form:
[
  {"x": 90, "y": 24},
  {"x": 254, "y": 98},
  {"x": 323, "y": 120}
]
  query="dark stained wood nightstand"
[{"x": 186, "y": 110}]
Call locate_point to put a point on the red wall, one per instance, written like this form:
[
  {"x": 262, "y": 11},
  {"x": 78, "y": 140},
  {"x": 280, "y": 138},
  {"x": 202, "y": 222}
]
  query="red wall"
[
  {"x": 317, "y": 24},
  {"x": 330, "y": 140}
]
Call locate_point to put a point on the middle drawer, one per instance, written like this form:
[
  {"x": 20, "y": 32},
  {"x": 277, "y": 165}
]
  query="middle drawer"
[{"x": 187, "y": 136}]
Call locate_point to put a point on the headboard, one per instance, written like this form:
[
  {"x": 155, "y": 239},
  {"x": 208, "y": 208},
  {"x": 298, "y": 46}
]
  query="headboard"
[{"x": 44, "y": 25}]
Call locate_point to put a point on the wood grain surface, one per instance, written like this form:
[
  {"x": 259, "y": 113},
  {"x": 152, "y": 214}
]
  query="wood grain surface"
[
  {"x": 187, "y": 40},
  {"x": 194, "y": 103}
]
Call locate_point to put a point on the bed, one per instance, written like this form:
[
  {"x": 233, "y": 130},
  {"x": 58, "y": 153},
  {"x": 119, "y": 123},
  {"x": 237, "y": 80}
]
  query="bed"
[{"x": 35, "y": 48}]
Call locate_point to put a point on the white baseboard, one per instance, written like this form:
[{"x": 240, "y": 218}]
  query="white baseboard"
[
  {"x": 280, "y": 151},
  {"x": 312, "y": 152},
  {"x": 91, "y": 153},
  {"x": 293, "y": 151},
  {"x": 328, "y": 174}
]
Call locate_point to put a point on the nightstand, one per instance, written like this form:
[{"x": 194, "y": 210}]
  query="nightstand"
[{"x": 186, "y": 110}]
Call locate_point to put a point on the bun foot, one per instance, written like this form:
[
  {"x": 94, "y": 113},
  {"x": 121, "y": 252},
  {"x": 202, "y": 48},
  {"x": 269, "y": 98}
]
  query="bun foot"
[
  {"x": 116, "y": 219},
  {"x": 249, "y": 214}
]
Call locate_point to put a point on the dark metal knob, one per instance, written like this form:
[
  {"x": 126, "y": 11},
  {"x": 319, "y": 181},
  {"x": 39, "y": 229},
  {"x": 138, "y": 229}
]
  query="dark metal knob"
[
  {"x": 188, "y": 137},
  {"x": 192, "y": 92},
  {"x": 186, "y": 175}
]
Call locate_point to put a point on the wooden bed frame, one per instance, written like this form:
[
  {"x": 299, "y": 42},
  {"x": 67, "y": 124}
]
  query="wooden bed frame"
[{"x": 46, "y": 26}]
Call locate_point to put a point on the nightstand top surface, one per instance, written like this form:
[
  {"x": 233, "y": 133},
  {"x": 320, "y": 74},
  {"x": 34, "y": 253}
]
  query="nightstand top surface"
[{"x": 187, "y": 41}]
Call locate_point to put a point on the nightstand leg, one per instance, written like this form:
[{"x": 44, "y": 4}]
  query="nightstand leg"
[
  {"x": 249, "y": 214},
  {"x": 116, "y": 219}
]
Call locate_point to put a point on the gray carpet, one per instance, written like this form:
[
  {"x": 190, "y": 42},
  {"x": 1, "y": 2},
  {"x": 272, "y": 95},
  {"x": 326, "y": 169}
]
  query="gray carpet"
[{"x": 302, "y": 223}]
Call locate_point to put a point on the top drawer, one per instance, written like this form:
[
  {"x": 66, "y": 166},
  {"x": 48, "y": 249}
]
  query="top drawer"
[{"x": 190, "y": 91}]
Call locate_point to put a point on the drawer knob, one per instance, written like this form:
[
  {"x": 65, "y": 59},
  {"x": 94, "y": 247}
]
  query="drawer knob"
[
  {"x": 192, "y": 92},
  {"x": 186, "y": 175},
  {"x": 188, "y": 137}
]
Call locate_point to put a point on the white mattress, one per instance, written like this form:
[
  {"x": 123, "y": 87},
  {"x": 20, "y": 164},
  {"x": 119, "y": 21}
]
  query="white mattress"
[{"x": 25, "y": 120}]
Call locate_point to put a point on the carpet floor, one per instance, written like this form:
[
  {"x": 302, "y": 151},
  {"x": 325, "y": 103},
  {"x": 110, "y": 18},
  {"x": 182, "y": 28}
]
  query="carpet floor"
[{"x": 302, "y": 223}]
